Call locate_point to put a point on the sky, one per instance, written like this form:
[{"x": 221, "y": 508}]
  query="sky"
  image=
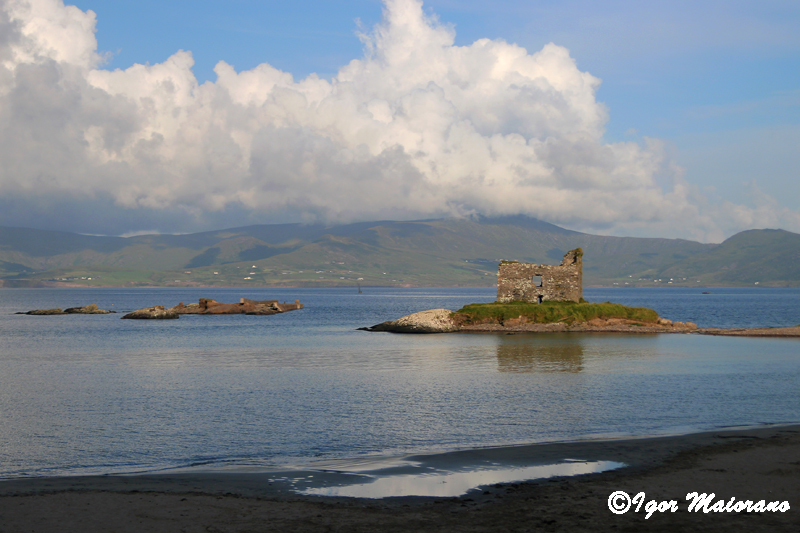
[{"x": 675, "y": 119}]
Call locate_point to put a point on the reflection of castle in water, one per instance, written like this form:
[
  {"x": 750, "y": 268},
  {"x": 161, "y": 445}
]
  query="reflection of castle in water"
[{"x": 527, "y": 354}]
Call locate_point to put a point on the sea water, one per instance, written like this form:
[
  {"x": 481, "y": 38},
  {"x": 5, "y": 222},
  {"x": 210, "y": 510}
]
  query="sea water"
[{"x": 88, "y": 394}]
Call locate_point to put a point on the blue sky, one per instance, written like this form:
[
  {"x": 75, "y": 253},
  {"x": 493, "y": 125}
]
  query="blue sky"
[
  {"x": 683, "y": 71},
  {"x": 717, "y": 82}
]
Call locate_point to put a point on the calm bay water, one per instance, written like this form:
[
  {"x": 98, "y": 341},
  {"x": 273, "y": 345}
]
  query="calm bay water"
[{"x": 96, "y": 394}]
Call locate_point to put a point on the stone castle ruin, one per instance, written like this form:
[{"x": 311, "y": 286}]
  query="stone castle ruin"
[{"x": 527, "y": 282}]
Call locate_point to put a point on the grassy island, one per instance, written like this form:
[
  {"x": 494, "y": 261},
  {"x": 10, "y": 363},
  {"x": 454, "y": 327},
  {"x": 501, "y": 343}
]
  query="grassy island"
[{"x": 551, "y": 312}]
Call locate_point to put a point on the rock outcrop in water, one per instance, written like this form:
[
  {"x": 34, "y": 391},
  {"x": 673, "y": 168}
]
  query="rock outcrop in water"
[
  {"x": 90, "y": 309},
  {"x": 42, "y": 312},
  {"x": 431, "y": 321},
  {"x": 156, "y": 312},
  {"x": 207, "y": 306}
]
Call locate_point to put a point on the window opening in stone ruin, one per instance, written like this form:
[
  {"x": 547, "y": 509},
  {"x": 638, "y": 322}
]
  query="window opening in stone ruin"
[{"x": 525, "y": 281}]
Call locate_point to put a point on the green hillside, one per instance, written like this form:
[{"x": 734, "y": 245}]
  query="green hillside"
[
  {"x": 449, "y": 252},
  {"x": 766, "y": 257}
]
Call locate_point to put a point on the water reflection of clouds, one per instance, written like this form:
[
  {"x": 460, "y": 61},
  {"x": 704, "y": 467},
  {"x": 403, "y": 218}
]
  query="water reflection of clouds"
[
  {"x": 535, "y": 353},
  {"x": 452, "y": 484}
]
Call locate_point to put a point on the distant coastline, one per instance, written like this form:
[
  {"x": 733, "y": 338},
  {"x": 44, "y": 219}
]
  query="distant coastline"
[
  {"x": 455, "y": 252},
  {"x": 47, "y": 284}
]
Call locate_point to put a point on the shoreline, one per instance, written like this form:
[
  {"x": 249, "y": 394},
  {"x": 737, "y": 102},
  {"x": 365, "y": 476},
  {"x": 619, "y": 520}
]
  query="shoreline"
[
  {"x": 590, "y": 448},
  {"x": 745, "y": 463},
  {"x": 627, "y": 449},
  {"x": 790, "y": 331},
  {"x": 434, "y": 321}
]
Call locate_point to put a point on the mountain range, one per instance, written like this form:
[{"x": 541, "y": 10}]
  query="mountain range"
[{"x": 447, "y": 252}]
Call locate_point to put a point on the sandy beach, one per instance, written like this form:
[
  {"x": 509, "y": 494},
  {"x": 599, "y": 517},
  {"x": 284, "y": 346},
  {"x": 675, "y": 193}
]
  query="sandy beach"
[{"x": 745, "y": 464}]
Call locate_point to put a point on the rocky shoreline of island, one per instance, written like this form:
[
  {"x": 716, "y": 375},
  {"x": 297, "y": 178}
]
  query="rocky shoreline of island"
[{"x": 447, "y": 321}]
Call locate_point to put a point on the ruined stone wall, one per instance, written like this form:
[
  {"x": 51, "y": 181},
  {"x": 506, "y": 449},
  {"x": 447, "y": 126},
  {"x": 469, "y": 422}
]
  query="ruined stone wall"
[{"x": 560, "y": 283}]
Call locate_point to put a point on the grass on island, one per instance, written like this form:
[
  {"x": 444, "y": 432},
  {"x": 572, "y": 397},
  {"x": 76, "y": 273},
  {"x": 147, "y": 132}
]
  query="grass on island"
[{"x": 551, "y": 312}]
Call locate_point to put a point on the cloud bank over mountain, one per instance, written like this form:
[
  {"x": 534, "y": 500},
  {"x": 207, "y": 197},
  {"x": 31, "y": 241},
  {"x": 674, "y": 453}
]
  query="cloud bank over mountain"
[{"x": 416, "y": 128}]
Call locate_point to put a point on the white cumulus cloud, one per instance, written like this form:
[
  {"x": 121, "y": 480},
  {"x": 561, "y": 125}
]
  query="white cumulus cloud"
[{"x": 417, "y": 127}]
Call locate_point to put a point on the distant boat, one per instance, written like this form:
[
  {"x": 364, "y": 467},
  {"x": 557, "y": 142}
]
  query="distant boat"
[{"x": 706, "y": 292}]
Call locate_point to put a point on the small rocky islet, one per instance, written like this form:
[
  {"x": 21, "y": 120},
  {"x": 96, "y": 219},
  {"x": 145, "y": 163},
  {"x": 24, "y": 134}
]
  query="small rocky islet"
[
  {"x": 447, "y": 321},
  {"x": 519, "y": 317},
  {"x": 549, "y": 299},
  {"x": 90, "y": 309},
  {"x": 205, "y": 306}
]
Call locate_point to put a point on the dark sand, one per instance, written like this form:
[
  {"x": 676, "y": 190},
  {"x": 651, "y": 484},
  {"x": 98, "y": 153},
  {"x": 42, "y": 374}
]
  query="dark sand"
[{"x": 756, "y": 464}]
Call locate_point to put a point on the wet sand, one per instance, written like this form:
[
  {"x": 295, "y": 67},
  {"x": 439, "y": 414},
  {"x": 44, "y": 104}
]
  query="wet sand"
[{"x": 755, "y": 463}]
